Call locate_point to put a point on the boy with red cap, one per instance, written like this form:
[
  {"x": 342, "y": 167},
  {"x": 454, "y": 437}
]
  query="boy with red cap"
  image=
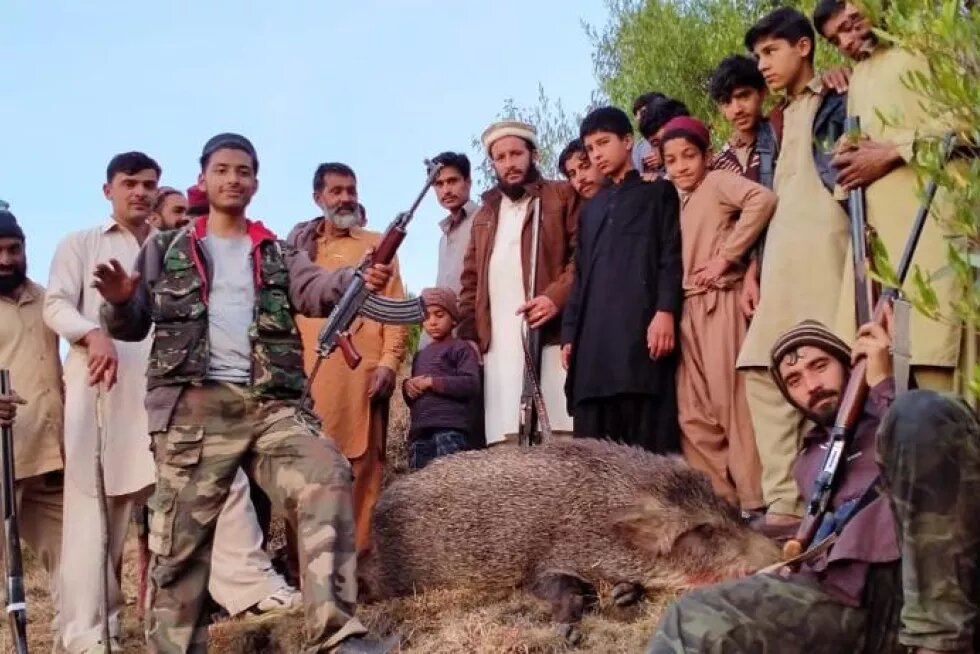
[
  {"x": 445, "y": 378},
  {"x": 722, "y": 216}
]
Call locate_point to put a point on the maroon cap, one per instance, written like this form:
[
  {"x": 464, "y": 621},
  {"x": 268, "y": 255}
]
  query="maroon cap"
[
  {"x": 197, "y": 201},
  {"x": 690, "y": 124}
]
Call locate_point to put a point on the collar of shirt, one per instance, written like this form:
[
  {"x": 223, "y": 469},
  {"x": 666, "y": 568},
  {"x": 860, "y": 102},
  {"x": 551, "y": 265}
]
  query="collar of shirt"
[
  {"x": 448, "y": 223},
  {"x": 111, "y": 225},
  {"x": 737, "y": 141},
  {"x": 30, "y": 293},
  {"x": 357, "y": 233}
]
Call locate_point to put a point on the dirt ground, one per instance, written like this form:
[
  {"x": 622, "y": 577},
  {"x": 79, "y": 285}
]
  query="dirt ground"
[{"x": 440, "y": 622}]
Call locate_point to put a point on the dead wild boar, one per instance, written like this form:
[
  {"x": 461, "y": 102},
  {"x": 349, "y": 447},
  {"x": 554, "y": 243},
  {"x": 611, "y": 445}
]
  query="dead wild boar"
[{"x": 557, "y": 519}]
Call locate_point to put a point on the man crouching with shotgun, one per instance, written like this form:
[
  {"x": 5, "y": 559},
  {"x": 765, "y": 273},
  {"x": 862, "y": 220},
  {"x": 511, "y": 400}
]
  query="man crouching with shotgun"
[{"x": 894, "y": 562}]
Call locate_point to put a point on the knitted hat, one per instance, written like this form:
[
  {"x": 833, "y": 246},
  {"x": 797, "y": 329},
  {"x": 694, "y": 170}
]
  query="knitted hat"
[
  {"x": 8, "y": 223},
  {"x": 808, "y": 332},
  {"x": 441, "y": 297},
  {"x": 504, "y": 128},
  {"x": 197, "y": 201},
  {"x": 233, "y": 142},
  {"x": 689, "y": 124}
]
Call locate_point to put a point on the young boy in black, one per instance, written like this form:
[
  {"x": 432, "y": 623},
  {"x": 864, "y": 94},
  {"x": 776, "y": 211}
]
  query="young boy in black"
[{"x": 619, "y": 325}]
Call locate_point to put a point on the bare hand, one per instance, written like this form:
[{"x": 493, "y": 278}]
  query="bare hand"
[
  {"x": 115, "y": 285},
  {"x": 8, "y": 408},
  {"x": 660, "y": 335},
  {"x": 748, "y": 299},
  {"x": 416, "y": 386},
  {"x": 382, "y": 383},
  {"x": 874, "y": 344},
  {"x": 864, "y": 163},
  {"x": 103, "y": 362},
  {"x": 837, "y": 78},
  {"x": 651, "y": 160},
  {"x": 708, "y": 275},
  {"x": 566, "y": 355},
  {"x": 376, "y": 277},
  {"x": 538, "y": 311}
]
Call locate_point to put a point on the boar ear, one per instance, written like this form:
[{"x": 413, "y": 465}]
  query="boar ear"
[{"x": 651, "y": 526}]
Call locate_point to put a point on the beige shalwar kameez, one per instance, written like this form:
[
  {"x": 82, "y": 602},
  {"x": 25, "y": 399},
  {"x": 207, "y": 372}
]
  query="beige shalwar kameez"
[{"x": 722, "y": 217}]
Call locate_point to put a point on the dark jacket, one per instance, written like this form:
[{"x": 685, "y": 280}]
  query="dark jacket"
[
  {"x": 559, "y": 222},
  {"x": 455, "y": 372},
  {"x": 870, "y": 536},
  {"x": 627, "y": 268},
  {"x": 175, "y": 275}
]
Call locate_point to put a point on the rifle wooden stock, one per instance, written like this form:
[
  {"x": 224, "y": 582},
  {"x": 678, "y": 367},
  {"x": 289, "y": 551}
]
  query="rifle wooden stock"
[
  {"x": 16, "y": 598},
  {"x": 347, "y": 349},
  {"x": 385, "y": 252}
]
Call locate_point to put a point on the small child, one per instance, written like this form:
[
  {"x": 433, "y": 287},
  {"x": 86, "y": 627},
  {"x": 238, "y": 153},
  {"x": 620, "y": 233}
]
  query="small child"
[
  {"x": 722, "y": 215},
  {"x": 445, "y": 379}
]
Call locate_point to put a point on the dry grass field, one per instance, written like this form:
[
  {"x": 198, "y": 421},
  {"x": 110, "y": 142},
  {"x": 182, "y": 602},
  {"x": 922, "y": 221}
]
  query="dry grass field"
[{"x": 433, "y": 623}]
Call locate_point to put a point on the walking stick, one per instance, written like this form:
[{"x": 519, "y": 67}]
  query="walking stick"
[{"x": 103, "y": 511}]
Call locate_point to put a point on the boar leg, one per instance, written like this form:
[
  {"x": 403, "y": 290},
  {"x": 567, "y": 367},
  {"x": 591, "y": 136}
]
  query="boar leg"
[
  {"x": 569, "y": 596},
  {"x": 626, "y": 593}
]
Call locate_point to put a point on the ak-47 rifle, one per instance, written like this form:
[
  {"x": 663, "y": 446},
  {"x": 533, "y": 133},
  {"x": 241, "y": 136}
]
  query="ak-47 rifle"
[
  {"x": 818, "y": 517},
  {"x": 16, "y": 600},
  {"x": 357, "y": 300},
  {"x": 865, "y": 289}
]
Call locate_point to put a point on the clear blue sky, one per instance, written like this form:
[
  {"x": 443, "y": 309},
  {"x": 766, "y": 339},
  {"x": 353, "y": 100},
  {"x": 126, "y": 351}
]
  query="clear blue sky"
[{"x": 377, "y": 84}]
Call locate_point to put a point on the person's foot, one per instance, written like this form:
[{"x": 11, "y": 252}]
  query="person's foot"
[
  {"x": 285, "y": 600},
  {"x": 367, "y": 645},
  {"x": 778, "y": 526}
]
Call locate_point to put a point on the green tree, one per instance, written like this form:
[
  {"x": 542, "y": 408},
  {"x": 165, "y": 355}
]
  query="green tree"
[{"x": 672, "y": 46}]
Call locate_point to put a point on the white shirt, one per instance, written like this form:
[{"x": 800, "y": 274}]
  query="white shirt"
[{"x": 71, "y": 309}]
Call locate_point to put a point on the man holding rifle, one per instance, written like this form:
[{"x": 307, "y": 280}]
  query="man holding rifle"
[
  {"x": 352, "y": 403},
  {"x": 517, "y": 275},
  {"x": 29, "y": 350},
  {"x": 901, "y": 566},
  {"x": 223, "y": 386}
]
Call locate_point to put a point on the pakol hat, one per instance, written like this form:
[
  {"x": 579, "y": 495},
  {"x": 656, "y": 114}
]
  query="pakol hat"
[
  {"x": 689, "y": 124},
  {"x": 509, "y": 128}
]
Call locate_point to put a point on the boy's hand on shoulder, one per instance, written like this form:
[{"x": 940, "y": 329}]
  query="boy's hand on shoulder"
[{"x": 660, "y": 335}]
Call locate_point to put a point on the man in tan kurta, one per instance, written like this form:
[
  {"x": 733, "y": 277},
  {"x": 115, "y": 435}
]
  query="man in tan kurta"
[
  {"x": 353, "y": 404},
  {"x": 802, "y": 268},
  {"x": 29, "y": 350},
  {"x": 880, "y": 164}
]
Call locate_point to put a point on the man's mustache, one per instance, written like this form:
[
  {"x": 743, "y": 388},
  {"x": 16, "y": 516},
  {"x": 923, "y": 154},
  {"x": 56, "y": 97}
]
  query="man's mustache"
[{"x": 820, "y": 396}]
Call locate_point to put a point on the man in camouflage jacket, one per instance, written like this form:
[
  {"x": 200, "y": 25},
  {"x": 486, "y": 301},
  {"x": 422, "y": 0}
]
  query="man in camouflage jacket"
[
  {"x": 223, "y": 381},
  {"x": 902, "y": 575}
]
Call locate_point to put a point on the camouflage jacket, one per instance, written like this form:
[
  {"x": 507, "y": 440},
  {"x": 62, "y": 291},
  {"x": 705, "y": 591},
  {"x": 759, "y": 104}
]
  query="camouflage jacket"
[{"x": 176, "y": 275}]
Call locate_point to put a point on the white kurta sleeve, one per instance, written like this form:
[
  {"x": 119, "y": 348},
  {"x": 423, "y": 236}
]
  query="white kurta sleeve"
[{"x": 62, "y": 302}]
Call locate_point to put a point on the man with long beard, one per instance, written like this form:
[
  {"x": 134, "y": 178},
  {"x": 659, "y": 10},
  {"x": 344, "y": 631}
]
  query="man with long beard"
[
  {"x": 497, "y": 297},
  {"x": 353, "y": 404}
]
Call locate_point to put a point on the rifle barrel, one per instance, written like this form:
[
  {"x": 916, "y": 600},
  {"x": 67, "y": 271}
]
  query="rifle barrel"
[{"x": 16, "y": 598}]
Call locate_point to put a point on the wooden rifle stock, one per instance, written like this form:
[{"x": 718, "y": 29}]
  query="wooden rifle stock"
[{"x": 856, "y": 391}]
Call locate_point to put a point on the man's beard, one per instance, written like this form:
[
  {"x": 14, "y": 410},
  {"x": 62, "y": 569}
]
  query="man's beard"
[
  {"x": 868, "y": 45},
  {"x": 826, "y": 415},
  {"x": 12, "y": 279},
  {"x": 516, "y": 191},
  {"x": 345, "y": 216}
]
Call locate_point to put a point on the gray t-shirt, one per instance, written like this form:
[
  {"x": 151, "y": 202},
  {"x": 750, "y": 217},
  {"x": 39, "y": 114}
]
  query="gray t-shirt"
[{"x": 231, "y": 305}]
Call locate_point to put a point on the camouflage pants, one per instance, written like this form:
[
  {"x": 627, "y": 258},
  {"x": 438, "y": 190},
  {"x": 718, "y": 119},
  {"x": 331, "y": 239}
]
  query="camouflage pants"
[
  {"x": 215, "y": 429},
  {"x": 928, "y": 450}
]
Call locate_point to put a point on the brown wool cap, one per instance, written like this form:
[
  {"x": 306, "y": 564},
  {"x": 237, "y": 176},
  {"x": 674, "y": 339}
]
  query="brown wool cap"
[
  {"x": 808, "y": 332},
  {"x": 441, "y": 296}
]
